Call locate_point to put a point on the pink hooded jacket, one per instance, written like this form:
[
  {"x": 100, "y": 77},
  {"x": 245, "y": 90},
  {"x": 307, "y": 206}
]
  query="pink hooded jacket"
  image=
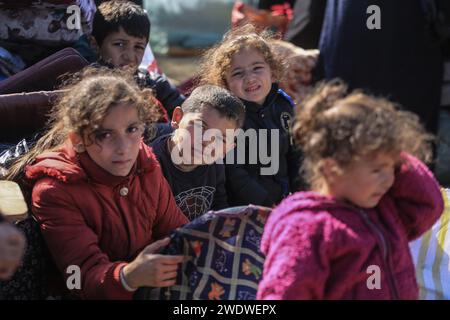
[{"x": 320, "y": 248}]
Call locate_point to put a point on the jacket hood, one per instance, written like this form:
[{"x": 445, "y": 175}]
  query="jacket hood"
[{"x": 65, "y": 165}]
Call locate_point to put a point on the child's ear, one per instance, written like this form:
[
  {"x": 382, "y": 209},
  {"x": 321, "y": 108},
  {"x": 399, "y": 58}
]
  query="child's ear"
[
  {"x": 77, "y": 142},
  {"x": 177, "y": 115},
  {"x": 75, "y": 138},
  {"x": 329, "y": 169}
]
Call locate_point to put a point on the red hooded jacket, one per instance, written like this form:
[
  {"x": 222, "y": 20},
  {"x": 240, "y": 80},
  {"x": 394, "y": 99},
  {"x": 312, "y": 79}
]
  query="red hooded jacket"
[
  {"x": 97, "y": 221},
  {"x": 320, "y": 248}
]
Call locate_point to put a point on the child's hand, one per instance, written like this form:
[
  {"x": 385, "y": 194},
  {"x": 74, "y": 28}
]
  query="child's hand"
[
  {"x": 12, "y": 247},
  {"x": 150, "y": 269}
]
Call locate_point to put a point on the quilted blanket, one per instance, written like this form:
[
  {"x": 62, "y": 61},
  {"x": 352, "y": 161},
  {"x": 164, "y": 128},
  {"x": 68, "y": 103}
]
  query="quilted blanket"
[{"x": 224, "y": 261}]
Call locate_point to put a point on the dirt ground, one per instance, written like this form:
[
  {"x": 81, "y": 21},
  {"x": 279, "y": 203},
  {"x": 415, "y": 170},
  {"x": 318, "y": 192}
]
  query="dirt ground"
[{"x": 178, "y": 69}]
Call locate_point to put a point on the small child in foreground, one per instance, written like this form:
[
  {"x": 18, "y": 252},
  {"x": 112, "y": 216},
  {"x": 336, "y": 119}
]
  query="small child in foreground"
[{"x": 370, "y": 196}]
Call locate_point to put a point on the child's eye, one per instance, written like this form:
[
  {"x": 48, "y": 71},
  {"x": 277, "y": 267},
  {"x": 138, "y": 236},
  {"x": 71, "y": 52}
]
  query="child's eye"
[
  {"x": 237, "y": 74},
  {"x": 376, "y": 169},
  {"x": 102, "y": 136},
  {"x": 133, "y": 129},
  {"x": 119, "y": 44},
  {"x": 140, "y": 48}
]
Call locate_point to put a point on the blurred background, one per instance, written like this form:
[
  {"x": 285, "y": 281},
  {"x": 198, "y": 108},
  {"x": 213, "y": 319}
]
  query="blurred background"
[{"x": 181, "y": 30}]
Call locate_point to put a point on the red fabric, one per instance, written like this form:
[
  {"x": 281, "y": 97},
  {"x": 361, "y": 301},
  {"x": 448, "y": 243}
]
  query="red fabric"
[
  {"x": 163, "y": 116},
  {"x": 86, "y": 222},
  {"x": 237, "y": 13},
  {"x": 189, "y": 85},
  {"x": 320, "y": 248},
  {"x": 282, "y": 10}
]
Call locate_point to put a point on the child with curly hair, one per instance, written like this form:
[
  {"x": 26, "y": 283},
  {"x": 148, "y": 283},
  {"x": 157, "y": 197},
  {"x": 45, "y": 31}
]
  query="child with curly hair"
[
  {"x": 245, "y": 64},
  {"x": 370, "y": 196}
]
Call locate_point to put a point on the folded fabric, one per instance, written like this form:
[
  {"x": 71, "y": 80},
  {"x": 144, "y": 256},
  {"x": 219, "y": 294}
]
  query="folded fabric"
[
  {"x": 24, "y": 114},
  {"x": 44, "y": 22},
  {"x": 10, "y": 63},
  {"x": 43, "y": 76},
  {"x": 223, "y": 257},
  {"x": 431, "y": 254}
]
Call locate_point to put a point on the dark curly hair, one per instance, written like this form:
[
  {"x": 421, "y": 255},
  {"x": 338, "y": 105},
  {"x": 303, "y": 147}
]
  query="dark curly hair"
[{"x": 331, "y": 123}]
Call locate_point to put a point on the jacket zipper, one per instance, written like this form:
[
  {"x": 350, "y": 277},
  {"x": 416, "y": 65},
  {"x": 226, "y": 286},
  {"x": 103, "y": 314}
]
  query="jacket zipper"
[{"x": 385, "y": 250}]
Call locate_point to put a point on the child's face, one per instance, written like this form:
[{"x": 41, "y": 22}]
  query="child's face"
[
  {"x": 115, "y": 146},
  {"x": 196, "y": 132},
  {"x": 365, "y": 181},
  {"x": 249, "y": 76},
  {"x": 122, "y": 50}
]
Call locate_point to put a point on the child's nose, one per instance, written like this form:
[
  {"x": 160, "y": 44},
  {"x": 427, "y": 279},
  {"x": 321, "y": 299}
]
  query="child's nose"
[
  {"x": 127, "y": 55},
  {"x": 249, "y": 78},
  {"x": 122, "y": 145}
]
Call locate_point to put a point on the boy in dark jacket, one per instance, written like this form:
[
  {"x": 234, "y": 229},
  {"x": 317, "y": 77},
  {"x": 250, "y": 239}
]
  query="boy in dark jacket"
[
  {"x": 203, "y": 132},
  {"x": 120, "y": 33},
  {"x": 275, "y": 113}
]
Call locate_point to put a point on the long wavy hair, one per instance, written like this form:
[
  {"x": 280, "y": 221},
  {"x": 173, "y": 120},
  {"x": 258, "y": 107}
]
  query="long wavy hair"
[{"x": 81, "y": 109}]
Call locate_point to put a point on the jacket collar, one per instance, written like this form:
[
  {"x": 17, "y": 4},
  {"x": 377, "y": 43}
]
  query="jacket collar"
[{"x": 97, "y": 174}]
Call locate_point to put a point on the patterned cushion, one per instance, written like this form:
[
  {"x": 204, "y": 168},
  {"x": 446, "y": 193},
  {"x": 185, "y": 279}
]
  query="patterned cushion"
[{"x": 224, "y": 261}]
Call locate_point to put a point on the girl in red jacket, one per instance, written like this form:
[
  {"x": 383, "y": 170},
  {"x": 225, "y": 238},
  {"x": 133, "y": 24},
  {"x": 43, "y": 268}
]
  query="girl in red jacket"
[
  {"x": 99, "y": 194},
  {"x": 348, "y": 237}
]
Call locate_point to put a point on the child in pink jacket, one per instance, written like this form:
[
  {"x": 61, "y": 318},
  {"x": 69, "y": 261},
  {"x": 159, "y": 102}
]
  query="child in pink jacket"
[{"x": 348, "y": 237}]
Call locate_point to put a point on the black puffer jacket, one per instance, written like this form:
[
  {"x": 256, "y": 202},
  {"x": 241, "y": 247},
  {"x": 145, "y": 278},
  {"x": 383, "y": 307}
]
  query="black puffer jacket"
[{"x": 245, "y": 182}]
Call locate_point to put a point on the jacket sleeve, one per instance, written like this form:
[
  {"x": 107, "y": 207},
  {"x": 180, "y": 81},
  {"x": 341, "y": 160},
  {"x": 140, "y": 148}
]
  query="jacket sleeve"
[
  {"x": 220, "y": 195},
  {"x": 169, "y": 96},
  {"x": 169, "y": 216},
  {"x": 417, "y": 196},
  {"x": 73, "y": 243},
  {"x": 296, "y": 265},
  {"x": 244, "y": 189}
]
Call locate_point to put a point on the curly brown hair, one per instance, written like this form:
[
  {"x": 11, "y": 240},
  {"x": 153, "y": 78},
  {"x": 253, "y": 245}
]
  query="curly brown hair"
[
  {"x": 331, "y": 123},
  {"x": 217, "y": 60},
  {"x": 83, "y": 106}
]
